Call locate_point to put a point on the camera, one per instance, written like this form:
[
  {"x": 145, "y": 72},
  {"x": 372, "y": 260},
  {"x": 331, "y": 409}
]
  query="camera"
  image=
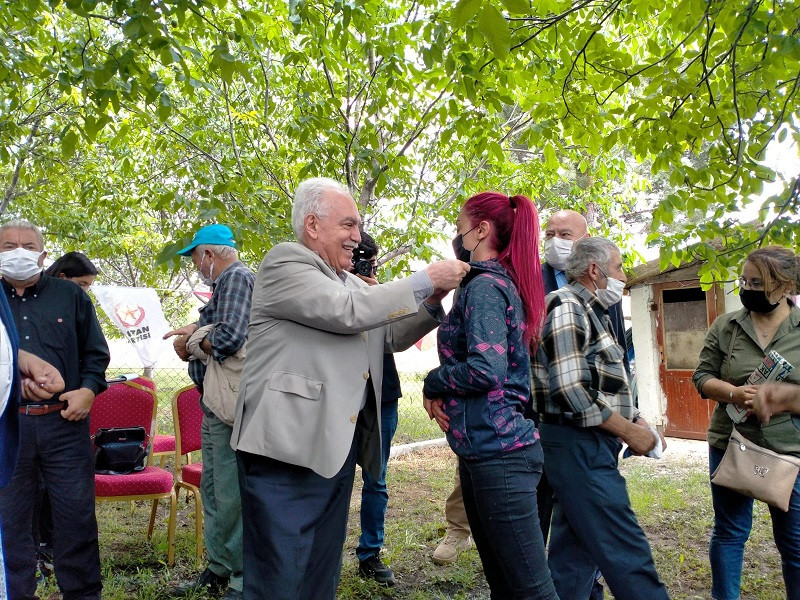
[{"x": 361, "y": 265}]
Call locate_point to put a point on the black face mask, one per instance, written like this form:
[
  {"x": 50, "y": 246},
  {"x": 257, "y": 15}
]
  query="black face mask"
[
  {"x": 462, "y": 253},
  {"x": 756, "y": 301}
]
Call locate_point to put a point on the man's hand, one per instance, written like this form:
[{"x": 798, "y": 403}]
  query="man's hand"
[
  {"x": 436, "y": 297},
  {"x": 40, "y": 379},
  {"x": 185, "y": 330},
  {"x": 435, "y": 409},
  {"x": 774, "y": 398},
  {"x": 445, "y": 275},
  {"x": 641, "y": 421},
  {"x": 367, "y": 280},
  {"x": 640, "y": 439},
  {"x": 79, "y": 402},
  {"x": 179, "y": 343}
]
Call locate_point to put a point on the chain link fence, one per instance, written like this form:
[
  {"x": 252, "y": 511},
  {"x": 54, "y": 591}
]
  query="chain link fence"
[{"x": 413, "y": 424}]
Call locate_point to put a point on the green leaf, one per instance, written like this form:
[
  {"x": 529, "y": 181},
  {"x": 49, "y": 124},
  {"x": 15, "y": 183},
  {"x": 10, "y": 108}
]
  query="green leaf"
[
  {"x": 518, "y": 7},
  {"x": 464, "y": 12},
  {"x": 495, "y": 28}
]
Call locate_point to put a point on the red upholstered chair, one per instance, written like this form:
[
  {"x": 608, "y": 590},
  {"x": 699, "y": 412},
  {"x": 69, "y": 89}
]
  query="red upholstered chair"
[
  {"x": 163, "y": 445},
  {"x": 129, "y": 404},
  {"x": 188, "y": 418}
]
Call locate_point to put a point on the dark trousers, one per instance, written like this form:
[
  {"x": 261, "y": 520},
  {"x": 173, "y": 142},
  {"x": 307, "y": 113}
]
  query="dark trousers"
[
  {"x": 61, "y": 451},
  {"x": 593, "y": 523},
  {"x": 295, "y": 525},
  {"x": 500, "y": 500}
]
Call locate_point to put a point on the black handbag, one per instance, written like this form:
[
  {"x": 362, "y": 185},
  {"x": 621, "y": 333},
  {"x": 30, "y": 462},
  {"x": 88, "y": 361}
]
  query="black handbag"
[{"x": 120, "y": 450}]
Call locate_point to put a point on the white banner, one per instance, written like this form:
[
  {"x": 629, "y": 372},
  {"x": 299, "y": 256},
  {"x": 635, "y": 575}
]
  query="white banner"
[{"x": 138, "y": 314}]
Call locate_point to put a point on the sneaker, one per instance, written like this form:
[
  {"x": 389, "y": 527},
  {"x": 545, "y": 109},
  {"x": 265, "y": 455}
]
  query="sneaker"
[
  {"x": 373, "y": 568},
  {"x": 447, "y": 551},
  {"x": 207, "y": 581},
  {"x": 232, "y": 594}
]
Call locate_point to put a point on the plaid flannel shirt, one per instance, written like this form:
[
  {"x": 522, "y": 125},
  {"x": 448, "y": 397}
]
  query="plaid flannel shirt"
[
  {"x": 578, "y": 370},
  {"x": 229, "y": 311}
]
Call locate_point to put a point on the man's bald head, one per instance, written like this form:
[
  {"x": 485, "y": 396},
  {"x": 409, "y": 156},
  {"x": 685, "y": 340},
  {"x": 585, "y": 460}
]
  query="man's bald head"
[{"x": 566, "y": 225}]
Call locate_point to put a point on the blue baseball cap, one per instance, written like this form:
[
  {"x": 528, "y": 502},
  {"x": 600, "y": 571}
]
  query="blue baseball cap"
[{"x": 217, "y": 235}]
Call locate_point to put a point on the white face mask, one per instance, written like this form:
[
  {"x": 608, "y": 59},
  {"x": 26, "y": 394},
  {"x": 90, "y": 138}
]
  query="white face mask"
[
  {"x": 556, "y": 252},
  {"x": 612, "y": 293},
  {"x": 209, "y": 281},
  {"x": 19, "y": 264}
]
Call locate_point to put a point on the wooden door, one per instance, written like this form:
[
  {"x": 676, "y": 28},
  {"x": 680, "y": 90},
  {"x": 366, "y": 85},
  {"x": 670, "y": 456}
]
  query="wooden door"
[{"x": 684, "y": 313}]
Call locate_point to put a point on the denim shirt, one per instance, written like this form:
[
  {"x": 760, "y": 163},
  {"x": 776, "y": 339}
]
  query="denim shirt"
[{"x": 484, "y": 377}]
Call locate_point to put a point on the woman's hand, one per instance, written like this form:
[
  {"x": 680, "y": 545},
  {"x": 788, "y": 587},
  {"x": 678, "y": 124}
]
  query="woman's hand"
[
  {"x": 435, "y": 409},
  {"x": 742, "y": 394}
]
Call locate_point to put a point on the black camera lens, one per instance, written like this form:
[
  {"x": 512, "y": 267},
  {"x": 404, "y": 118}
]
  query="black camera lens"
[{"x": 363, "y": 267}]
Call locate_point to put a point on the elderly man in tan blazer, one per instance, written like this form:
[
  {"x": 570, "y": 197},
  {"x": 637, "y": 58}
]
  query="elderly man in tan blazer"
[{"x": 310, "y": 393}]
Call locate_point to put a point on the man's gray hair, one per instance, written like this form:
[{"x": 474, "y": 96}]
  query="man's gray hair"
[
  {"x": 23, "y": 224},
  {"x": 587, "y": 251},
  {"x": 308, "y": 201},
  {"x": 220, "y": 250}
]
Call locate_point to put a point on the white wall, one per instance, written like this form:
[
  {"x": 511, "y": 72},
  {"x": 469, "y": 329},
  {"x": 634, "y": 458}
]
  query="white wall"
[{"x": 652, "y": 401}]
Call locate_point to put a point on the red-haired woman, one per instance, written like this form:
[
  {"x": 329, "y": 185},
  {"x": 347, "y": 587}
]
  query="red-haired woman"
[{"x": 481, "y": 392}]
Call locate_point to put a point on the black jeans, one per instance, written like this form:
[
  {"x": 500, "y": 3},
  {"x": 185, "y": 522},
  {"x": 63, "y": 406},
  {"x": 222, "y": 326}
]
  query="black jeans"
[
  {"x": 500, "y": 500},
  {"x": 61, "y": 451}
]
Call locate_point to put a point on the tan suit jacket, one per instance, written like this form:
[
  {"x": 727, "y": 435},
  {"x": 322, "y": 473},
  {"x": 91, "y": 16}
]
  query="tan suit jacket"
[{"x": 314, "y": 343}]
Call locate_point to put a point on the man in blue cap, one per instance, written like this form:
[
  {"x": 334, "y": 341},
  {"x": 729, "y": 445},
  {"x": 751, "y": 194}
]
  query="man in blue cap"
[{"x": 214, "y": 255}]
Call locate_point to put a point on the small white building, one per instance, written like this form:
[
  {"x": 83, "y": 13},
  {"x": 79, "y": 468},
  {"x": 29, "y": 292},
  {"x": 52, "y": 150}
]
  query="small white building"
[{"x": 670, "y": 316}]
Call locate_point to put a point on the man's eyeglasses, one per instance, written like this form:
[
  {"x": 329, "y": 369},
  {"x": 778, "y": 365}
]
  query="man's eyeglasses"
[{"x": 753, "y": 284}]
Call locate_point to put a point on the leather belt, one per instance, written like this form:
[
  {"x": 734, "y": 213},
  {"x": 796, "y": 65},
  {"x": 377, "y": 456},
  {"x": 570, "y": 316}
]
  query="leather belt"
[
  {"x": 553, "y": 419},
  {"x": 41, "y": 409}
]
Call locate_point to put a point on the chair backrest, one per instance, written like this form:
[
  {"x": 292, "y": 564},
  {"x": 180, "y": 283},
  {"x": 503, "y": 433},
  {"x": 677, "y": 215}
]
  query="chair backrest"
[
  {"x": 188, "y": 417},
  {"x": 125, "y": 404},
  {"x": 145, "y": 382}
]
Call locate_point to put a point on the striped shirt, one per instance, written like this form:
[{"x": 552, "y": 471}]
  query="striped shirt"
[{"x": 578, "y": 370}]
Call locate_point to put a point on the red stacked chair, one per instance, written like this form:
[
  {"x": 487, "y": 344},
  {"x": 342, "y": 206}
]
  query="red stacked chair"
[
  {"x": 188, "y": 417},
  {"x": 163, "y": 445},
  {"x": 129, "y": 404}
]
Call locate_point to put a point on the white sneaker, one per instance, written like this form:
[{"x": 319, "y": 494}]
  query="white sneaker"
[{"x": 448, "y": 549}]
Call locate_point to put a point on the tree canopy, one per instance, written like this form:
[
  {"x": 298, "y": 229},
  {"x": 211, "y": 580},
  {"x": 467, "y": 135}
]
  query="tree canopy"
[{"x": 127, "y": 124}]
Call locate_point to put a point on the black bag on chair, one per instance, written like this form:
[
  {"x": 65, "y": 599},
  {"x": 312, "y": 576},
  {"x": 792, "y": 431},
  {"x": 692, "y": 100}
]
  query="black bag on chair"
[{"x": 120, "y": 450}]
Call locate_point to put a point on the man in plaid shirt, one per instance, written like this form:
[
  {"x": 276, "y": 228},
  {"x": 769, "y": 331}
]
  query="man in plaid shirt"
[
  {"x": 581, "y": 392},
  {"x": 214, "y": 256}
]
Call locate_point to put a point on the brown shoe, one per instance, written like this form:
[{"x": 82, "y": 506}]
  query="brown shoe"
[{"x": 448, "y": 549}]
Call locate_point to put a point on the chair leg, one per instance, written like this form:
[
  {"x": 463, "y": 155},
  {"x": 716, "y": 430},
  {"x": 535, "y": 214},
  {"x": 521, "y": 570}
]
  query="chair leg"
[
  {"x": 198, "y": 523},
  {"x": 153, "y": 517},
  {"x": 171, "y": 529}
]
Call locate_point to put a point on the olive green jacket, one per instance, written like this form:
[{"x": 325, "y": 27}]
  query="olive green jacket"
[{"x": 782, "y": 433}]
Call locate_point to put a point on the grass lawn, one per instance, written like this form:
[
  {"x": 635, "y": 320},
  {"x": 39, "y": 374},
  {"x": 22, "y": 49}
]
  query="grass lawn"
[{"x": 670, "y": 497}]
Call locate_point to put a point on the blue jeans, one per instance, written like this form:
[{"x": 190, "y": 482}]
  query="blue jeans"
[
  {"x": 374, "y": 496},
  {"x": 593, "y": 523},
  {"x": 500, "y": 500},
  {"x": 733, "y": 519}
]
